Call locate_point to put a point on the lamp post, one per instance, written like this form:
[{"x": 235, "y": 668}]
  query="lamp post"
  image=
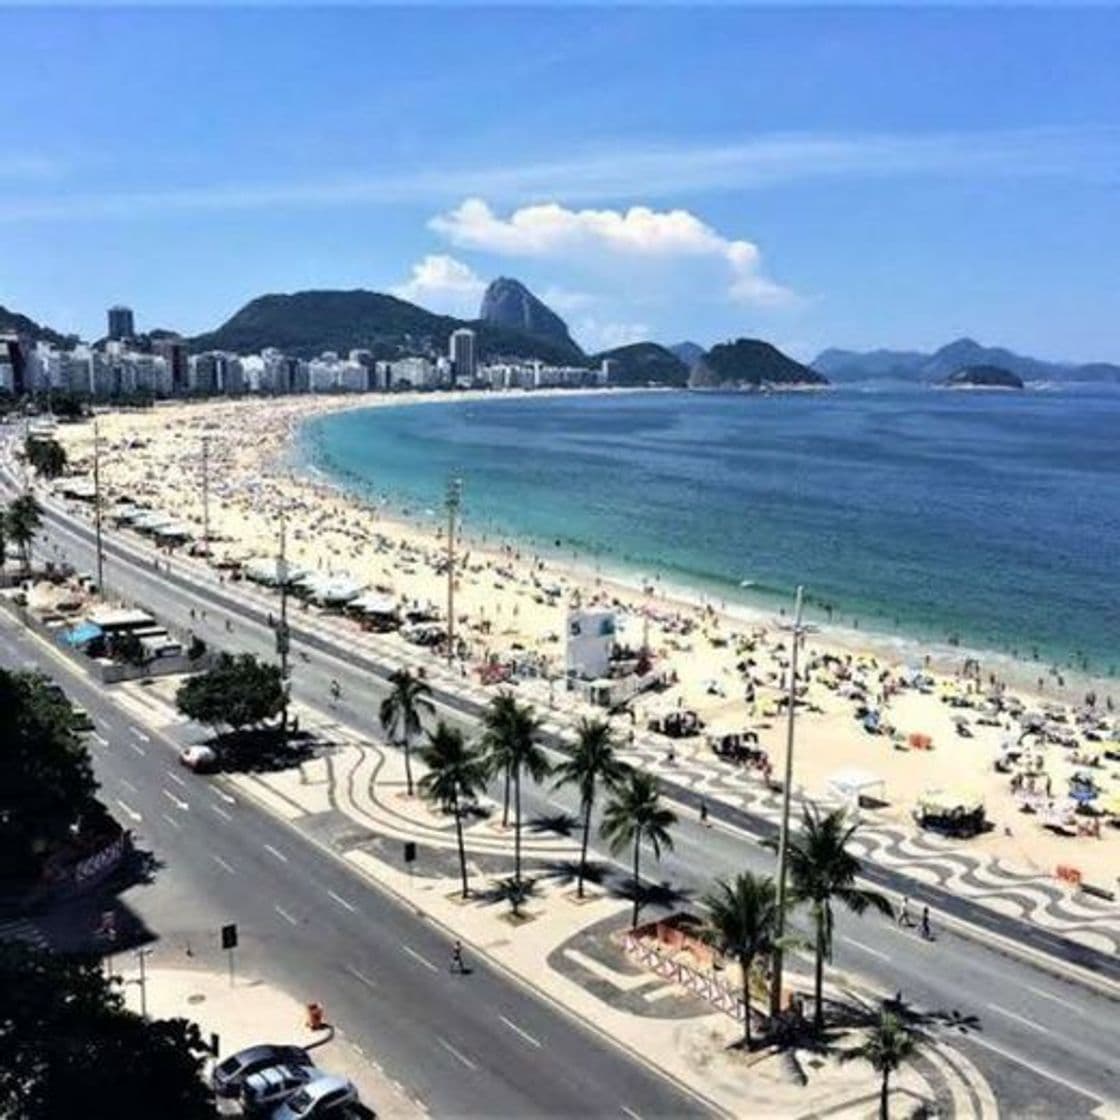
[
  {"x": 97, "y": 506},
  {"x": 454, "y": 500},
  {"x": 206, "y": 499},
  {"x": 282, "y": 640},
  {"x": 798, "y": 631}
]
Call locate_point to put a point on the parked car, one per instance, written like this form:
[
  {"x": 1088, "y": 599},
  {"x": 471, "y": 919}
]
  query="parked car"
[
  {"x": 201, "y": 759},
  {"x": 325, "y": 1096},
  {"x": 229, "y": 1074},
  {"x": 262, "y": 1091},
  {"x": 81, "y": 720}
]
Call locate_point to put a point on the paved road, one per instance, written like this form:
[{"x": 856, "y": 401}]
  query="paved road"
[
  {"x": 1042, "y": 1039},
  {"x": 477, "y": 1045}
]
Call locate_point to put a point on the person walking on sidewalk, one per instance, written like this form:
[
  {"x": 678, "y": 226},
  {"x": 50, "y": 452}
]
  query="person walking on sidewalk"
[
  {"x": 704, "y": 813},
  {"x": 457, "y": 958},
  {"x": 925, "y": 924},
  {"x": 904, "y": 912}
]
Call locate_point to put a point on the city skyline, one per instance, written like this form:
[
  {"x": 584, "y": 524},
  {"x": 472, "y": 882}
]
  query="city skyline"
[{"x": 866, "y": 181}]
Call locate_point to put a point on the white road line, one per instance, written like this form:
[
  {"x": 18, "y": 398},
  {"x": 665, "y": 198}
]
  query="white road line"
[
  {"x": 455, "y": 1053},
  {"x": 417, "y": 957},
  {"x": 129, "y": 786},
  {"x": 1019, "y": 1018},
  {"x": 1055, "y": 999},
  {"x": 1034, "y": 1067},
  {"x": 631, "y": 1113},
  {"x": 865, "y": 948},
  {"x": 140, "y": 735},
  {"x": 137, "y": 748},
  {"x": 226, "y": 797},
  {"x": 221, "y": 812},
  {"x": 132, "y": 814},
  {"x": 222, "y": 863},
  {"x": 178, "y": 802},
  {"x": 342, "y": 902},
  {"x": 99, "y": 739},
  {"x": 285, "y": 915},
  {"x": 176, "y": 779},
  {"x": 279, "y": 855},
  {"x": 171, "y": 820},
  {"x": 360, "y": 976},
  {"x": 517, "y": 1030}
]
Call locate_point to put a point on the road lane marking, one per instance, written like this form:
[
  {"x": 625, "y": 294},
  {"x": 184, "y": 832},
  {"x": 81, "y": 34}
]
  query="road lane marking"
[
  {"x": 222, "y": 863},
  {"x": 517, "y": 1030},
  {"x": 129, "y": 786},
  {"x": 221, "y": 812},
  {"x": 1055, "y": 999},
  {"x": 279, "y": 855},
  {"x": 455, "y": 1053},
  {"x": 132, "y": 814},
  {"x": 137, "y": 748},
  {"x": 417, "y": 957},
  {"x": 140, "y": 735},
  {"x": 178, "y": 802},
  {"x": 1019, "y": 1018},
  {"x": 631, "y": 1113},
  {"x": 342, "y": 902},
  {"x": 1034, "y": 1067},
  {"x": 171, "y": 821},
  {"x": 865, "y": 948},
  {"x": 176, "y": 779},
  {"x": 100, "y": 739},
  {"x": 285, "y": 915},
  {"x": 360, "y": 976},
  {"x": 226, "y": 797}
]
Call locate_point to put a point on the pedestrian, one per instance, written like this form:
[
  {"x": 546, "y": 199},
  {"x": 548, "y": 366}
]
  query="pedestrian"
[
  {"x": 457, "y": 958},
  {"x": 925, "y": 923},
  {"x": 703, "y": 812},
  {"x": 904, "y": 912}
]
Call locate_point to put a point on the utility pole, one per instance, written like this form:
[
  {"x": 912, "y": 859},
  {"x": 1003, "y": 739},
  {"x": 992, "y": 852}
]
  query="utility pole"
[
  {"x": 143, "y": 982},
  {"x": 97, "y": 505},
  {"x": 454, "y": 500},
  {"x": 282, "y": 640},
  {"x": 206, "y": 498},
  {"x": 798, "y": 631}
]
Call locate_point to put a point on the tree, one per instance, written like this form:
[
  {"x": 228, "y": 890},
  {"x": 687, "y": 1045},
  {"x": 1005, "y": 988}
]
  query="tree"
[
  {"x": 593, "y": 761},
  {"x": 238, "y": 692},
  {"x": 890, "y": 1043},
  {"x": 822, "y": 871},
  {"x": 499, "y": 713},
  {"x": 47, "y": 456},
  {"x": 127, "y": 648},
  {"x": 47, "y": 785},
  {"x": 742, "y": 923},
  {"x": 401, "y": 714},
  {"x": 456, "y": 773},
  {"x": 68, "y": 1046},
  {"x": 635, "y": 816},
  {"x": 510, "y": 740},
  {"x": 22, "y": 521}
]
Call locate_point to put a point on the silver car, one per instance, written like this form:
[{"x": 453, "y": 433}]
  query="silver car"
[
  {"x": 262, "y": 1091},
  {"x": 326, "y": 1095}
]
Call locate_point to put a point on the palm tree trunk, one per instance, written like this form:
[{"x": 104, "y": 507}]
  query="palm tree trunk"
[
  {"x": 884, "y": 1108},
  {"x": 637, "y": 878},
  {"x": 583, "y": 847},
  {"x": 517, "y": 825},
  {"x": 505, "y": 801},
  {"x": 818, "y": 1011},
  {"x": 745, "y": 965},
  {"x": 408, "y": 763},
  {"x": 462, "y": 850}
]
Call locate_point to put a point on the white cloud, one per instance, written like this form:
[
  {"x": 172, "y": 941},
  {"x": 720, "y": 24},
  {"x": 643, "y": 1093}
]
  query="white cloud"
[
  {"x": 595, "y": 335},
  {"x": 551, "y": 230},
  {"x": 442, "y": 283}
]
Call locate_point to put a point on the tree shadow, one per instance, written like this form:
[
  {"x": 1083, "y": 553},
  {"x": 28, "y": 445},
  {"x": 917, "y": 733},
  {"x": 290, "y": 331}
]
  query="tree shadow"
[
  {"x": 563, "y": 824},
  {"x": 566, "y": 872},
  {"x": 261, "y": 751}
]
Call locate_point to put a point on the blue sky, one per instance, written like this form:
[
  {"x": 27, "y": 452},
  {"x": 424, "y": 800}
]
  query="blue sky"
[{"x": 863, "y": 177}]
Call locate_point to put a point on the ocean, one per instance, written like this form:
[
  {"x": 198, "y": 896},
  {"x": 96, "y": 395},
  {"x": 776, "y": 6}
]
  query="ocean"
[{"x": 989, "y": 520}]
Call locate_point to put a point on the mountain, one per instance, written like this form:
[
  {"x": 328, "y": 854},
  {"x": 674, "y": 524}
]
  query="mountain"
[
  {"x": 12, "y": 322},
  {"x": 644, "y": 363},
  {"x": 750, "y": 361},
  {"x": 850, "y": 365},
  {"x": 688, "y": 352},
  {"x": 305, "y": 324},
  {"x": 983, "y": 377},
  {"x": 509, "y": 304}
]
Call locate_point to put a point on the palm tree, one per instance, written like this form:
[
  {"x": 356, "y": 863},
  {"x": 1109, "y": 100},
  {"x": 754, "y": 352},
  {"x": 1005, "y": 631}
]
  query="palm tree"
[
  {"x": 742, "y": 922},
  {"x": 495, "y": 720},
  {"x": 456, "y": 772},
  {"x": 822, "y": 871},
  {"x": 636, "y": 814},
  {"x": 592, "y": 761},
  {"x": 23, "y": 518},
  {"x": 401, "y": 711},
  {"x": 888, "y": 1045}
]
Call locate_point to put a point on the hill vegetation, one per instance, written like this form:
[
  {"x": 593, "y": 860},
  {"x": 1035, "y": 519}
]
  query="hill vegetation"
[
  {"x": 644, "y": 363},
  {"x": 983, "y": 377},
  {"x": 509, "y": 304},
  {"x": 748, "y": 362},
  {"x": 12, "y": 322}
]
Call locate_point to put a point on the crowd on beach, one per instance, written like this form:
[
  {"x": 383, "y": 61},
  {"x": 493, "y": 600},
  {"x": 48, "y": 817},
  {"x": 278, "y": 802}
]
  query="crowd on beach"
[{"x": 1045, "y": 767}]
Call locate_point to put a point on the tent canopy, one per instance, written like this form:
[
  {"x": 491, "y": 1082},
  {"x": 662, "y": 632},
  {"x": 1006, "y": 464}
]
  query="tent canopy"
[
  {"x": 854, "y": 783},
  {"x": 82, "y": 634}
]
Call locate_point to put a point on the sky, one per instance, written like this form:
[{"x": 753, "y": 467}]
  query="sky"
[{"x": 816, "y": 177}]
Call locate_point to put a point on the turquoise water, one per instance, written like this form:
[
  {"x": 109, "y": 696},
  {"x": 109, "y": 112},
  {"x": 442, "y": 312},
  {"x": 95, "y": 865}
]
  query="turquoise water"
[{"x": 988, "y": 519}]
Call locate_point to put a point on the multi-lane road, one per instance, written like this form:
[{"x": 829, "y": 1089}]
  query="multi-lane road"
[{"x": 1046, "y": 1044}]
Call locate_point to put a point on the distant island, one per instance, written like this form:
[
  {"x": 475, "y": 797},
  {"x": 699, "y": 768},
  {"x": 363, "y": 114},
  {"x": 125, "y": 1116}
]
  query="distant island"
[
  {"x": 983, "y": 377},
  {"x": 749, "y": 363}
]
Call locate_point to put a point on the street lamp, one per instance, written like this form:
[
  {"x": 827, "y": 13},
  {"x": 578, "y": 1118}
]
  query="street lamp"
[
  {"x": 454, "y": 501},
  {"x": 141, "y": 954},
  {"x": 283, "y": 641},
  {"x": 97, "y": 506},
  {"x": 798, "y": 631},
  {"x": 206, "y": 499}
]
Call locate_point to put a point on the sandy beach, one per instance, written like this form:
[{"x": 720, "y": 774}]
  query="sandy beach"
[{"x": 730, "y": 661}]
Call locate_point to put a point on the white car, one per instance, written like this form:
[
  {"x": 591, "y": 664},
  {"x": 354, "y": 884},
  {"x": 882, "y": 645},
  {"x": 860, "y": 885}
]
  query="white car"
[
  {"x": 325, "y": 1096},
  {"x": 201, "y": 759},
  {"x": 262, "y": 1091}
]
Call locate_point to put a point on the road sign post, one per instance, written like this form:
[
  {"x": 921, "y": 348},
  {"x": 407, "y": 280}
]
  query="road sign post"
[{"x": 229, "y": 943}]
